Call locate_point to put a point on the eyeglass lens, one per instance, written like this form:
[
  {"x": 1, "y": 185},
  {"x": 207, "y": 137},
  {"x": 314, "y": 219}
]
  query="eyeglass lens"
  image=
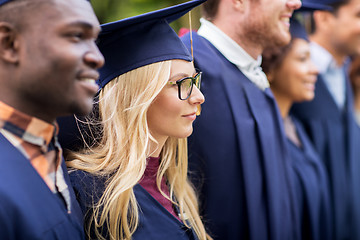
[{"x": 187, "y": 86}]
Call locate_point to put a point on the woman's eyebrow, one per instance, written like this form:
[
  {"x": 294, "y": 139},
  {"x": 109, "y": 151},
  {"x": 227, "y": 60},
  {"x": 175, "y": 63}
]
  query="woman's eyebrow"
[
  {"x": 182, "y": 75},
  {"x": 179, "y": 75}
]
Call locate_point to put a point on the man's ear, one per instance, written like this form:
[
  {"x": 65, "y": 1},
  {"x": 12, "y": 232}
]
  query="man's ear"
[
  {"x": 323, "y": 20},
  {"x": 239, "y": 4},
  {"x": 9, "y": 43}
]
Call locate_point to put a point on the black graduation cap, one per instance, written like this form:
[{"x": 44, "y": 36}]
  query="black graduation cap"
[
  {"x": 318, "y": 4},
  {"x": 6, "y": 1},
  {"x": 137, "y": 41},
  {"x": 297, "y": 30}
]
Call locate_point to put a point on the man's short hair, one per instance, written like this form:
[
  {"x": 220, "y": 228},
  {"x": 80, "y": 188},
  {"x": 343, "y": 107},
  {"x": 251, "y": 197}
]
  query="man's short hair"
[
  {"x": 338, "y": 5},
  {"x": 18, "y": 12},
  {"x": 210, "y": 9},
  {"x": 335, "y": 6}
]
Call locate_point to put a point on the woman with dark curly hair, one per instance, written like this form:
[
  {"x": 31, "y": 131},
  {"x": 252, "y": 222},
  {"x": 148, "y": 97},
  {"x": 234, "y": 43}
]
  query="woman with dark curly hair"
[{"x": 292, "y": 77}]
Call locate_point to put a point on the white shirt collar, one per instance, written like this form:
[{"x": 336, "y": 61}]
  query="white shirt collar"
[
  {"x": 234, "y": 53},
  {"x": 332, "y": 73},
  {"x": 322, "y": 58}
]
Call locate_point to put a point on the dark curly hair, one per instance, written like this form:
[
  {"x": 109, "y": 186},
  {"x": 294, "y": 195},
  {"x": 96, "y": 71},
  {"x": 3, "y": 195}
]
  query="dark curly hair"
[{"x": 274, "y": 56}]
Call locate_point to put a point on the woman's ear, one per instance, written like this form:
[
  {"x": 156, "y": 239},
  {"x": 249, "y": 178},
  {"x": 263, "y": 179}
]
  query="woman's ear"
[
  {"x": 270, "y": 76},
  {"x": 9, "y": 43}
]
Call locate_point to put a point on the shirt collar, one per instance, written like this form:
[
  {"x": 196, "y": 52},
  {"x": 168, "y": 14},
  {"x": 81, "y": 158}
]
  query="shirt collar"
[
  {"x": 31, "y": 129},
  {"x": 249, "y": 66},
  {"x": 228, "y": 47},
  {"x": 322, "y": 58}
]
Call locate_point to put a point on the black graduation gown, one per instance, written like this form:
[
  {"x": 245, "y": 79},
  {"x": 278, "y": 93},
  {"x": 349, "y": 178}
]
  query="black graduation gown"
[
  {"x": 155, "y": 222},
  {"x": 336, "y": 138},
  {"x": 28, "y": 208},
  {"x": 312, "y": 189},
  {"x": 237, "y": 154}
]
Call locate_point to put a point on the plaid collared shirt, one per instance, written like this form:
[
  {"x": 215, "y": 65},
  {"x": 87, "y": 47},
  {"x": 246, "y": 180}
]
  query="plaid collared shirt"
[{"x": 37, "y": 141}]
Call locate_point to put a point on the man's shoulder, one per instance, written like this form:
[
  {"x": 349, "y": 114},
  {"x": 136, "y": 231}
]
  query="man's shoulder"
[
  {"x": 10, "y": 156},
  {"x": 29, "y": 215},
  {"x": 27, "y": 204},
  {"x": 200, "y": 45},
  {"x": 6, "y": 148}
]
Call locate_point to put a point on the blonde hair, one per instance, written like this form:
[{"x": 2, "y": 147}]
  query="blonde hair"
[{"x": 122, "y": 151}]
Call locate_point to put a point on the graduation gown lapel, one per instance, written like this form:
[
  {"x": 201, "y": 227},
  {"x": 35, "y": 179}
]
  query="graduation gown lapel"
[
  {"x": 156, "y": 222},
  {"x": 312, "y": 189},
  {"x": 267, "y": 127}
]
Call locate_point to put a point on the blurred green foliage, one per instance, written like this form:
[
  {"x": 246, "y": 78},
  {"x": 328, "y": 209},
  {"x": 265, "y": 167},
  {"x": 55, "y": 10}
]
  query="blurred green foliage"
[{"x": 112, "y": 10}]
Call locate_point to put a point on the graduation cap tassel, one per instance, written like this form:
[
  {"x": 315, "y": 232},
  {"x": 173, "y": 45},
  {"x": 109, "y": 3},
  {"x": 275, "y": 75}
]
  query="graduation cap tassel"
[
  {"x": 191, "y": 39},
  {"x": 198, "y": 112}
]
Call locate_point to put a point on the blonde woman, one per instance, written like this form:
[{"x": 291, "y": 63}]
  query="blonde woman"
[{"x": 133, "y": 184}]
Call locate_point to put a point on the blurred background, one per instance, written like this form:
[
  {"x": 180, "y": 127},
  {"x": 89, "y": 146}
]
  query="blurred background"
[{"x": 112, "y": 10}]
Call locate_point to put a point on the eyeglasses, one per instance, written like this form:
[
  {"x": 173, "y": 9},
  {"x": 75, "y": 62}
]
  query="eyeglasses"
[{"x": 185, "y": 85}]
